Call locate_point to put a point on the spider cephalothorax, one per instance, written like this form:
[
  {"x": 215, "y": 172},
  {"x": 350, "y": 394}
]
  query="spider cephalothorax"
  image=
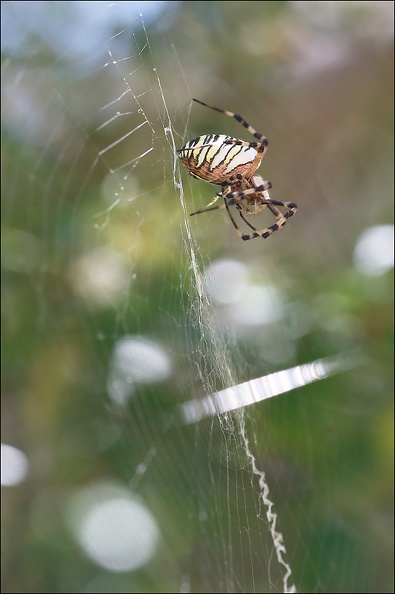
[{"x": 231, "y": 164}]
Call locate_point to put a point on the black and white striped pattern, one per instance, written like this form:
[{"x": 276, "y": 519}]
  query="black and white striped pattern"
[
  {"x": 231, "y": 163},
  {"x": 217, "y": 157}
]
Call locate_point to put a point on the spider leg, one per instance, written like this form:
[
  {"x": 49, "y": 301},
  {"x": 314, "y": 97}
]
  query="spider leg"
[
  {"x": 272, "y": 204},
  {"x": 265, "y": 233},
  {"x": 239, "y": 119},
  {"x": 254, "y": 190},
  {"x": 262, "y": 188},
  {"x": 207, "y": 208},
  {"x": 277, "y": 213},
  {"x": 218, "y": 195},
  {"x": 260, "y": 147},
  {"x": 246, "y": 209},
  {"x": 244, "y": 219},
  {"x": 267, "y": 185},
  {"x": 238, "y": 231}
]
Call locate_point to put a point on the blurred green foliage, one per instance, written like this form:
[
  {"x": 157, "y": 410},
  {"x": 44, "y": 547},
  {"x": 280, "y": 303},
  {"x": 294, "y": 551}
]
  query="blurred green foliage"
[{"x": 316, "y": 78}]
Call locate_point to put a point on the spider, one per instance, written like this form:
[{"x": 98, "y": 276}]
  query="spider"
[{"x": 231, "y": 163}]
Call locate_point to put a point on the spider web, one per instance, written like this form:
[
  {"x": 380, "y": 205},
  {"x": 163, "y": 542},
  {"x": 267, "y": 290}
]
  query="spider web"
[{"x": 140, "y": 344}]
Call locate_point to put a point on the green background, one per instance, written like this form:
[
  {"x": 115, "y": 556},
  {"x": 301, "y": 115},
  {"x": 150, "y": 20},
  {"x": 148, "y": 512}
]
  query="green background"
[{"x": 317, "y": 79}]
